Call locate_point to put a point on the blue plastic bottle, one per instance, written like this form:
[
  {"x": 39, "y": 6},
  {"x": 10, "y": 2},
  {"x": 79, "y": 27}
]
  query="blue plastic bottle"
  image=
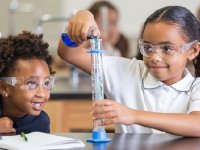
[{"x": 68, "y": 41}]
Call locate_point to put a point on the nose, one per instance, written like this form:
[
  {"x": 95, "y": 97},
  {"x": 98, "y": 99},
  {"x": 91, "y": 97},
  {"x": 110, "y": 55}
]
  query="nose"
[
  {"x": 40, "y": 91},
  {"x": 156, "y": 56}
]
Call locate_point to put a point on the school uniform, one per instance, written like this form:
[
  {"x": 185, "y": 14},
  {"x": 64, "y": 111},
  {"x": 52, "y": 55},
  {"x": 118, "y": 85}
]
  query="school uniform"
[
  {"x": 28, "y": 123},
  {"x": 129, "y": 83}
]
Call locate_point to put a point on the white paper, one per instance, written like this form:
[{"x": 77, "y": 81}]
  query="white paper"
[{"x": 39, "y": 141}]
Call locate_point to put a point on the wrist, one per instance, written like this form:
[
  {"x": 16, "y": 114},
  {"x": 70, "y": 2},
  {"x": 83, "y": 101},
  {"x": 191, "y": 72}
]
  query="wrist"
[
  {"x": 130, "y": 117},
  {"x": 135, "y": 115}
]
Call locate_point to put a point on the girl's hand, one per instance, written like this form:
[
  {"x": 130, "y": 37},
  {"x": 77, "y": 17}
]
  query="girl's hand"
[
  {"x": 6, "y": 125},
  {"x": 113, "y": 113},
  {"x": 82, "y": 22}
]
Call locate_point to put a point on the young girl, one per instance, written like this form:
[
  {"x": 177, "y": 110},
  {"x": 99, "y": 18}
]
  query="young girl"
[
  {"x": 157, "y": 94},
  {"x": 25, "y": 83}
]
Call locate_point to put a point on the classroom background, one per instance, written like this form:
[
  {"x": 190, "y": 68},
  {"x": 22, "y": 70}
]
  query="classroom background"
[{"x": 70, "y": 104}]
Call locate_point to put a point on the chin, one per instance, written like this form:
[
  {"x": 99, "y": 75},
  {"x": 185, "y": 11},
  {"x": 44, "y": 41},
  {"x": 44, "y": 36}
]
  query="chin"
[
  {"x": 159, "y": 77},
  {"x": 35, "y": 113}
]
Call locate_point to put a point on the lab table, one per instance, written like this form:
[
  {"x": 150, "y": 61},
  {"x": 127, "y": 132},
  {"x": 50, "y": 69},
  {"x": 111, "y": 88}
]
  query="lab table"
[{"x": 131, "y": 141}]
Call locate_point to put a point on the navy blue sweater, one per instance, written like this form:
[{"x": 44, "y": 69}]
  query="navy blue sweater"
[{"x": 28, "y": 123}]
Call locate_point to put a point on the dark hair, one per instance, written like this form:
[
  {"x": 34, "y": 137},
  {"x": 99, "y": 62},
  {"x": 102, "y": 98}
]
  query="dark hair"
[
  {"x": 122, "y": 44},
  {"x": 23, "y": 46},
  {"x": 182, "y": 17},
  {"x": 95, "y": 8}
]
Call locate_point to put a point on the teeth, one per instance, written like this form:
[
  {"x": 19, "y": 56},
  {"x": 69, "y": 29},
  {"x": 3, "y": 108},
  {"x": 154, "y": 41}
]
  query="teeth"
[{"x": 36, "y": 104}]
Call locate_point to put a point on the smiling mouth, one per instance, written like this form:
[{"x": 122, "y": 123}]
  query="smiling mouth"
[
  {"x": 157, "y": 67},
  {"x": 37, "y": 105}
]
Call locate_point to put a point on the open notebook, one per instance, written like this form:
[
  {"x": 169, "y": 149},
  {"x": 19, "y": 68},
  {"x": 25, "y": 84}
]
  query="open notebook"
[{"x": 39, "y": 141}]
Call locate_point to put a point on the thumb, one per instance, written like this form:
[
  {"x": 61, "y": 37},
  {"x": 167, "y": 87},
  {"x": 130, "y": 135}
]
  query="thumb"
[{"x": 94, "y": 32}]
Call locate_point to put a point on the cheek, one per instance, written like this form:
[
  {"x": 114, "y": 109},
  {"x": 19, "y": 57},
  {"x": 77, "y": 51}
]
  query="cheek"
[
  {"x": 145, "y": 60},
  {"x": 47, "y": 96},
  {"x": 179, "y": 61},
  {"x": 22, "y": 95}
]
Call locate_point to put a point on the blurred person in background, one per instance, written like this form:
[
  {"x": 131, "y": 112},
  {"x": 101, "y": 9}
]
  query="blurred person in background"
[
  {"x": 114, "y": 42},
  {"x": 198, "y": 14},
  {"x": 107, "y": 17}
]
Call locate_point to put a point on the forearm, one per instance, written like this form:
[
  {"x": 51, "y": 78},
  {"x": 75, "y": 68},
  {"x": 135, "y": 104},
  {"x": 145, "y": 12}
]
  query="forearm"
[{"x": 179, "y": 124}]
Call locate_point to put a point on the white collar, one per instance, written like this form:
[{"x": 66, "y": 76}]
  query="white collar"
[{"x": 184, "y": 85}]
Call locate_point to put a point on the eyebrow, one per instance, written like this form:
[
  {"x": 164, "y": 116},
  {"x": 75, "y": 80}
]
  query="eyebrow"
[
  {"x": 39, "y": 77},
  {"x": 160, "y": 43}
]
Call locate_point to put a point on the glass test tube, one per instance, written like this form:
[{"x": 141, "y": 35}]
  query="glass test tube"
[{"x": 97, "y": 76}]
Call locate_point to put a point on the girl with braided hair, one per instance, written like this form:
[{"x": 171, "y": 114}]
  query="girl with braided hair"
[{"x": 157, "y": 94}]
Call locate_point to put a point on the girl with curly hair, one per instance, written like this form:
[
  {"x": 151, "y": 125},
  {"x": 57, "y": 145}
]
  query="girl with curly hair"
[{"x": 25, "y": 83}]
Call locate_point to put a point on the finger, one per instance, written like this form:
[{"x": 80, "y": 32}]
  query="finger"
[
  {"x": 78, "y": 34},
  {"x": 98, "y": 109},
  {"x": 94, "y": 32},
  {"x": 103, "y": 102},
  {"x": 12, "y": 130},
  {"x": 103, "y": 109},
  {"x": 107, "y": 122},
  {"x": 73, "y": 33},
  {"x": 84, "y": 31},
  {"x": 69, "y": 30},
  {"x": 105, "y": 115},
  {"x": 8, "y": 122},
  {"x": 9, "y": 130},
  {"x": 111, "y": 121}
]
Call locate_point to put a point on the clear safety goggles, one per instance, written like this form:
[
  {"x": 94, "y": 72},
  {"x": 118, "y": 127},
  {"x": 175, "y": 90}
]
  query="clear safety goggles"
[
  {"x": 30, "y": 83},
  {"x": 147, "y": 49}
]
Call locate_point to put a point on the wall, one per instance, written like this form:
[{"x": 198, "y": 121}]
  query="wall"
[{"x": 133, "y": 14}]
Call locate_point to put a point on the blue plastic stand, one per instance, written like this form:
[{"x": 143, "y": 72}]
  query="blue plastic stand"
[{"x": 99, "y": 136}]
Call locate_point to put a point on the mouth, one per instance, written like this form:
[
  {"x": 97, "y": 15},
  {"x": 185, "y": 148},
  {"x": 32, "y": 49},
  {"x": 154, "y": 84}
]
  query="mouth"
[
  {"x": 37, "y": 105},
  {"x": 157, "y": 68}
]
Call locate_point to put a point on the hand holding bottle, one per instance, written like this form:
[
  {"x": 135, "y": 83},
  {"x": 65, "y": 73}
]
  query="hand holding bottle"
[{"x": 82, "y": 24}]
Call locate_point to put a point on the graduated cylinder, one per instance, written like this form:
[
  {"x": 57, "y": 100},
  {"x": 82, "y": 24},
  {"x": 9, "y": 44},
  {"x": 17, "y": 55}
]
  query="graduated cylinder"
[{"x": 97, "y": 76}]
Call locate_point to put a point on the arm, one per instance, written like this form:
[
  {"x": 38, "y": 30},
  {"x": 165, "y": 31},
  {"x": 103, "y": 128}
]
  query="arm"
[
  {"x": 77, "y": 29},
  {"x": 6, "y": 125},
  {"x": 179, "y": 124}
]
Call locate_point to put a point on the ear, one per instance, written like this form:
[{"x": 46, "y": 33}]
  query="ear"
[
  {"x": 3, "y": 89},
  {"x": 194, "y": 51}
]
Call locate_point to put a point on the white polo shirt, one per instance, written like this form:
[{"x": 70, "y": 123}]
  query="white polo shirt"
[{"x": 129, "y": 83}]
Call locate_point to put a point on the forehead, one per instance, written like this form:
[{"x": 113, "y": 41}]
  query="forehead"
[
  {"x": 110, "y": 13},
  {"x": 161, "y": 32},
  {"x": 31, "y": 67}
]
